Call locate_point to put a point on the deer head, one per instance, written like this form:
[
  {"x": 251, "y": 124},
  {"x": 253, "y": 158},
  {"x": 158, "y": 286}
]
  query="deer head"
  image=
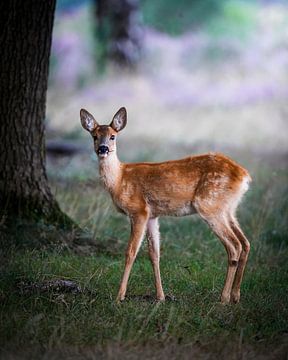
[{"x": 104, "y": 136}]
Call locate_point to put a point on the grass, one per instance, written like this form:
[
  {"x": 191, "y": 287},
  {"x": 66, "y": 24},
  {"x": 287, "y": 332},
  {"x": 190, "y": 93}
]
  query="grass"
[{"x": 193, "y": 267}]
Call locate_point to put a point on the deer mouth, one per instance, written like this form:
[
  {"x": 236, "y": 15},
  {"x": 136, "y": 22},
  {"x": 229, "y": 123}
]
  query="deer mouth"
[{"x": 102, "y": 156}]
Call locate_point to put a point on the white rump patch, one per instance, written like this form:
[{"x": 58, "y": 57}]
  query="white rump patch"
[{"x": 245, "y": 184}]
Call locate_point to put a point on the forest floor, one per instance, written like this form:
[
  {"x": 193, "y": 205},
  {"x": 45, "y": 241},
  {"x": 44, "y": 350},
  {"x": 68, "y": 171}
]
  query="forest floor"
[{"x": 189, "y": 101}]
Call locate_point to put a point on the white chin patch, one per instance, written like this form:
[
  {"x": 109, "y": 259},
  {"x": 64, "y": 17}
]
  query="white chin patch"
[{"x": 102, "y": 156}]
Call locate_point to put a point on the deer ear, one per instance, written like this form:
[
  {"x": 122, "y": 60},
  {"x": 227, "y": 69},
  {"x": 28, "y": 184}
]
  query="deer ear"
[
  {"x": 119, "y": 120},
  {"x": 87, "y": 120}
]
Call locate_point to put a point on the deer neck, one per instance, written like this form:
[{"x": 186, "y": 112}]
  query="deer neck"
[{"x": 110, "y": 171}]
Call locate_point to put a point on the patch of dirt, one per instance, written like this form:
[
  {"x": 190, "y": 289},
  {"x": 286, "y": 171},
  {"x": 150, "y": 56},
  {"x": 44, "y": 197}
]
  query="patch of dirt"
[{"x": 55, "y": 285}]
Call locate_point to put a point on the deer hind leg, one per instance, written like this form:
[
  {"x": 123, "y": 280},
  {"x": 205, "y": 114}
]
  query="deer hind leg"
[
  {"x": 153, "y": 237},
  {"x": 221, "y": 227},
  {"x": 235, "y": 293},
  {"x": 138, "y": 227}
]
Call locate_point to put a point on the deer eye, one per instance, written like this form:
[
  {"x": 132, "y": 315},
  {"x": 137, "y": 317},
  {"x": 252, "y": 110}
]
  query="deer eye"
[
  {"x": 95, "y": 137},
  {"x": 112, "y": 137}
]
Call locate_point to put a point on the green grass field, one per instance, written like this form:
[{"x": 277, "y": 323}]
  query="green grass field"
[{"x": 193, "y": 265}]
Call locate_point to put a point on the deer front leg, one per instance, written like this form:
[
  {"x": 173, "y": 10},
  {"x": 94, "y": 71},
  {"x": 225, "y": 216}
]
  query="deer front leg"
[
  {"x": 153, "y": 237},
  {"x": 138, "y": 227}
]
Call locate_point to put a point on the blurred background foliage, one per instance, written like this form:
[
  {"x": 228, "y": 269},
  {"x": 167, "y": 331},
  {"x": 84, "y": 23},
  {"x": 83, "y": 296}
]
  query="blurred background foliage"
[
  {"x": 223, "y": 17},
  {"x": 214, "y": 69},
  {"x": 176, "y": 17}
]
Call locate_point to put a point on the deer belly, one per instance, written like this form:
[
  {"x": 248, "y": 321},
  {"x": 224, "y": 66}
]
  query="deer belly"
[
  {"x": 169, "y": 208},
  {"x": 187, "y": 209}
]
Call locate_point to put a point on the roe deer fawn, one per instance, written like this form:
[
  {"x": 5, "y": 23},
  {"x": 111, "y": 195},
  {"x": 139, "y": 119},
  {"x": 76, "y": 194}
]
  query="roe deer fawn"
[{"x": 211, "y": 185}]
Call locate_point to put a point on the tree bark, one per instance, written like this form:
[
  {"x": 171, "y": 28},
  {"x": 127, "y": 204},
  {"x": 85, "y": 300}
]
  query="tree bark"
[{"x": 25, "y": 38}]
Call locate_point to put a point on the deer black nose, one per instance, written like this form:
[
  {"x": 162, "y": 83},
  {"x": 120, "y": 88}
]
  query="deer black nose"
[{"x": 103, "y": 149}]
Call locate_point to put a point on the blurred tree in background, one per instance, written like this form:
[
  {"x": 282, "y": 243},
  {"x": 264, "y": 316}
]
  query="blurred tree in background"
[
  {"x": 118, "y": 32},
  {"x": 119, "y": 24}
]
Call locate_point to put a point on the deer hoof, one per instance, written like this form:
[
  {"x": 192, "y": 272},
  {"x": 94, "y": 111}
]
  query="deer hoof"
[
  {"x": 235, "y": 297},
  {"x": 120, "y": 299},
  {"x": 225, "y": 299}
]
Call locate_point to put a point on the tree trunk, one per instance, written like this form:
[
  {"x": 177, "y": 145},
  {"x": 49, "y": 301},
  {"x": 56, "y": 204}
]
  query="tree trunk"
[{"x": 25, "y": 38}]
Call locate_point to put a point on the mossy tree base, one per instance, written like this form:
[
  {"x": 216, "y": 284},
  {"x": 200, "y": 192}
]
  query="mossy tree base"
[{"x": 41, "y": 227}]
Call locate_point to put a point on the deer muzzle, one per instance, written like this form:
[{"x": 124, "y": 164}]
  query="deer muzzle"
[{"x": 103, "y": 150}]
